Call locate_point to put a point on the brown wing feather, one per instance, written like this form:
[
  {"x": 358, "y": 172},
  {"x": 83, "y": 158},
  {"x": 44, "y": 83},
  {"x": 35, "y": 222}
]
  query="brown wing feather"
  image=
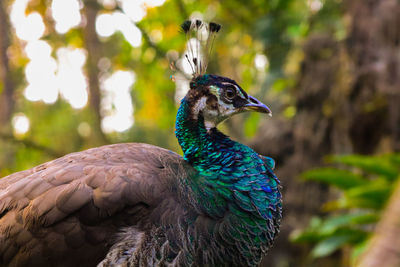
[{"x": 66, "y": 211}]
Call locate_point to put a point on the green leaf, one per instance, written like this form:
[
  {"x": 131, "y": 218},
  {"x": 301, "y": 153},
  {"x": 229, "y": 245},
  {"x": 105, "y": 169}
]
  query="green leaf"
[
  {"x": 333, "y": 205},
  {"x": 299, "y": 236},
  {"x": 331, "y": 224},
  {"x": 308, "y": 235},
  {"x": 373, "y": 195},
  {"x": 376, "y": 165},
  {"x": 394, "y": 159},
  {"x": 251, "y": 124},
  {"x": 358, "y": 250},
  {"x": 329, "y": 245},
  {"x": 340, "y": 178}
]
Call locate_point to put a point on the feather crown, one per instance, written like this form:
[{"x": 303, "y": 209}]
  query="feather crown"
[{"x": 200, "y": 38}]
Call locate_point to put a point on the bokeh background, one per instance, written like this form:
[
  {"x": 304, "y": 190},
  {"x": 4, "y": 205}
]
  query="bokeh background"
[{"x": 75, "y": 74}]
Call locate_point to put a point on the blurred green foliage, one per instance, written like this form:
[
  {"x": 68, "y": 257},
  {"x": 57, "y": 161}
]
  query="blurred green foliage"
[
  {"x": 275, "y": 29},
  {"x": 363, "y": 185}
]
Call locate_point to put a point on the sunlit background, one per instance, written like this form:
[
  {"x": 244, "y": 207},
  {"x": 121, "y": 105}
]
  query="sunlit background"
[{"x": 52, "y": 75}]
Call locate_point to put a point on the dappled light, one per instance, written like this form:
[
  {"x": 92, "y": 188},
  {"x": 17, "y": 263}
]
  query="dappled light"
[
  {"x": 105, "y": 25},
  {"x": 315, "y": 5},
  {"x": 116, "y": 103},
  {"x": 261, "y": 62},
  {"x": 40, "y": 73},
  {"x": 135, "y": 10},
  {"x": 66, "y": 14},
  {"x": 131, "y": 33},
  {"x": 70, "y": 76},
  {"x": 28, "y": 27},
  {"x": 20, "y": 124},
  {"x": 48, "y": 77}
]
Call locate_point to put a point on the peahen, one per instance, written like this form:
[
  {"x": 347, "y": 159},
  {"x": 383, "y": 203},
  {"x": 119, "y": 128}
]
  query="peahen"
[{"x": 141, "y": 205}]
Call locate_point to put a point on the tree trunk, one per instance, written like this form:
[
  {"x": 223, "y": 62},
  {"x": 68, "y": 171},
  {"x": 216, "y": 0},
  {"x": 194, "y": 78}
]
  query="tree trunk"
[
  {"x": 384, "y": 248},
  {"x": 373, "y": 46},
  {"x": 6, "y": 84},
  {"x": 347, "y": 100},
  {"x": 301, "y": 144},
  {"x": 6, "y": 89},
  {"x": 93, "y": 47}
]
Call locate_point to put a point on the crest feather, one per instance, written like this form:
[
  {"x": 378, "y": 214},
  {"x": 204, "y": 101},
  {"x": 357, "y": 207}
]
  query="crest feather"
[{"x": 200, "y": 38}]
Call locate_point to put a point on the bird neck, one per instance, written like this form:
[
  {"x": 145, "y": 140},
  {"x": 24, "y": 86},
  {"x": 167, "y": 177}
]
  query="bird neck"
[
  {"x": 233, "y": 184},
  {"x": 198, "y": 143}
]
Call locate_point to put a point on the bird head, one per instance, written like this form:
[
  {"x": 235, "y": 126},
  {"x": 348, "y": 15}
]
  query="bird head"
[
  {"x": 214, "y": 98},
  {"x": 217, "y": 98}
]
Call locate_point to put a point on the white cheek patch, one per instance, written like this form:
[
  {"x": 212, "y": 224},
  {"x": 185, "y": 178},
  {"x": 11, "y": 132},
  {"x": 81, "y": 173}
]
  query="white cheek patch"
[
  {"x": 213, "y": 117},
  {"x": 200, "y": 105},
  {"x": 225, "y": 109}
]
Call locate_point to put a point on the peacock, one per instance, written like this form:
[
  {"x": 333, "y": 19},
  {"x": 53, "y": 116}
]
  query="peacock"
[{"x": 140, "y": 205}]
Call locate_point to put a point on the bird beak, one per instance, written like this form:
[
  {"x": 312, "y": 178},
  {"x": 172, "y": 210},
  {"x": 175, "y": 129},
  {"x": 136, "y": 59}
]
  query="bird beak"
[{"x": 256, "y": 105}]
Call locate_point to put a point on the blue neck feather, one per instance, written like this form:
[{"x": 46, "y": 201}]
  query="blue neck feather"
[
  {"x": 199, "y": 147},
  {"x": 225, "y": 168},
  {"x": 233, "y": 183}
]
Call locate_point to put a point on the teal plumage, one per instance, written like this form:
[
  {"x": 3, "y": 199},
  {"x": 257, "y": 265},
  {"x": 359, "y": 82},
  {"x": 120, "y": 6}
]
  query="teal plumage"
[{"x": 231, "y": 178}]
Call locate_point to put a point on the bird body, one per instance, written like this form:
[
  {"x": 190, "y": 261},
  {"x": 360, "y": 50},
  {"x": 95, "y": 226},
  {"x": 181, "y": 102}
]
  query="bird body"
[
  {"x": 141, "y": 205},
  {"x": 68, "y": 212}
]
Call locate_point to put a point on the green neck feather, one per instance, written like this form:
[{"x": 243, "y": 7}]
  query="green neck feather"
[
  {"x": 233, "y": 182},
  {"x": 200, "y": 147},
  {"x": 225, "y": 168}
]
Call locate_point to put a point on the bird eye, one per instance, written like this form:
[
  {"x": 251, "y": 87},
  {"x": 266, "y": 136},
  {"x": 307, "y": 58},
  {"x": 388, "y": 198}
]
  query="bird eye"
[{"x": 230, "y": 93}]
